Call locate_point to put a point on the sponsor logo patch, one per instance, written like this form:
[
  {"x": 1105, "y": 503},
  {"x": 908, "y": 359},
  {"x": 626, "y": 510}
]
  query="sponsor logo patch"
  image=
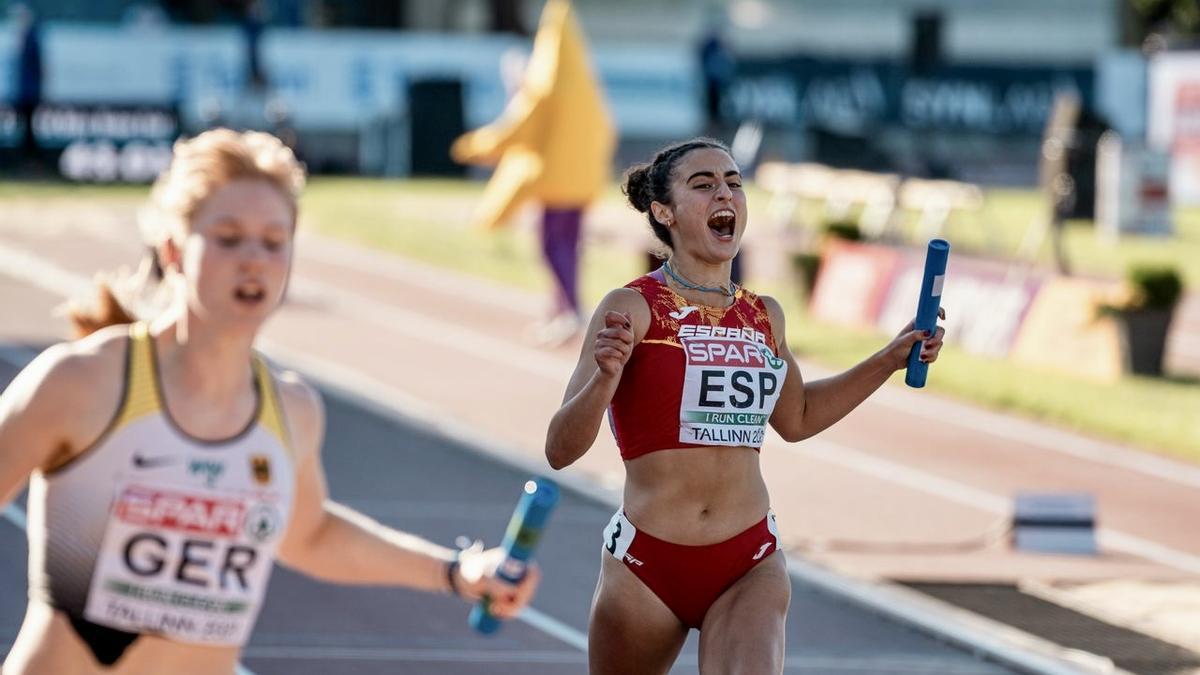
[
  {"x": 141, "y": 461},
  {"x": 262, "y": 522},
  {"x": 763, "y": 550},
  {"x": 209, "y": 470},
  {"x": 180, "y": 512},
  {"x": 683, "y": 312},
  {"x": 260, "y": 468}
]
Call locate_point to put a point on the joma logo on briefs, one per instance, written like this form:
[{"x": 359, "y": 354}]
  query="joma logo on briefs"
[
  {"x": 209, "y": 470},
  {"x": 706, "y": 331}
]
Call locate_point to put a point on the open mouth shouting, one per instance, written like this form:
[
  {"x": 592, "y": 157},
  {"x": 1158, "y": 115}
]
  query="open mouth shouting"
[{"x": 722, "y": 224}]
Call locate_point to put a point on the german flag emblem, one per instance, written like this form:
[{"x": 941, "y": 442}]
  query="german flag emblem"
[{"x": 260, "y": 467}]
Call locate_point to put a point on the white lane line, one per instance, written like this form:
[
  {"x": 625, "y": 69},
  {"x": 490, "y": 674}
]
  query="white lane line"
[
  {"x": 414, "y": 273},
  {"x": 431, "y": 330},
  {"x": 554, "y": 628},
  {"x": 1150, "y": 550},
  {"x": 1039, "y": 436},
  {"x": 304, "y": 653},
  {"x": 41, "y": 272},
  {"x": 893, "y": 472},
  {"x": 887, "y": 470},
  {"x": 974, "y": 632},
  {"x": 454, "y": 510}
]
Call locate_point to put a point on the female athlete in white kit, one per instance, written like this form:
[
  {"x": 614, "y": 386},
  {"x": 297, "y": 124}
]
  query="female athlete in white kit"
[{"x": 169, "y": 466}]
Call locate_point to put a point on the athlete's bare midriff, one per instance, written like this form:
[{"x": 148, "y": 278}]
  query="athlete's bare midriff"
[
  {"x": 48, "y": 643},
  {"x": 695, "y": 496}
]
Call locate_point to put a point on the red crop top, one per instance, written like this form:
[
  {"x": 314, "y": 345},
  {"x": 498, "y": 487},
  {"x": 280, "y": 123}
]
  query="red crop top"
[{"x": 701, "y": 376}]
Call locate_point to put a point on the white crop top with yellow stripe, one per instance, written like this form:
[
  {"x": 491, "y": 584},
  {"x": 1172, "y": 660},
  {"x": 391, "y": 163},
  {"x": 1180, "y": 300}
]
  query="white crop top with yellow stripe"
[{"x": 154, "y": 531}]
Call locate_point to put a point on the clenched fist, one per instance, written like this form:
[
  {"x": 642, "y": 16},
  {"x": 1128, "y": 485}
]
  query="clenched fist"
[{"x": 614, "y": 343}]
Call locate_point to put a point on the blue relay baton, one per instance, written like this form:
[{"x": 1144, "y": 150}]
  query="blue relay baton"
[
  {"x": 521, "y": 538},
  {"x": 927, "y": 307}
]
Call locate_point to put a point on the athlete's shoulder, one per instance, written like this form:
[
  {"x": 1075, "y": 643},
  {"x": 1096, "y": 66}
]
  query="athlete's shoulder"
[
  {"x": 646, "y": 285},
  {"x": 770, "y": 303},
  {"x": 82, "y": 365},
  {"x": 295, "y": 393},
  {"x": 774, "y": 312},
  {"x": 624, "y": 300},
  {"x": 66, "y": 395},
  {"x": 302, "y": 406}
]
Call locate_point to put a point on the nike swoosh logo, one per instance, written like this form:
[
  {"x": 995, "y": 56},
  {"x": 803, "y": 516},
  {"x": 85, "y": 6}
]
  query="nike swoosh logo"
[
  {"x": 679, "y": 316},
  {"x": 143, "y": 462}
]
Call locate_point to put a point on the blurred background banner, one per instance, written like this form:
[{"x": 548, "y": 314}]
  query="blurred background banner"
[
  {"x": 338, "y": 90},
  {"x": 863, "y": 83},
  {"x": 879, "y": 114},
  {"x": 857, "y": 96}
]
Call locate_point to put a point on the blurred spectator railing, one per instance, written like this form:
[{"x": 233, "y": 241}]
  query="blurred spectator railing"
[
  {"x": 936, "y": 200},
  {"x": 875, "y": 202}
]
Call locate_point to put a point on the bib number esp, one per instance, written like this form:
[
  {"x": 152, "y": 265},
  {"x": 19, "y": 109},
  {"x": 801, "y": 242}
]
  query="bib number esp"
[{"x": 729, "y": 391}]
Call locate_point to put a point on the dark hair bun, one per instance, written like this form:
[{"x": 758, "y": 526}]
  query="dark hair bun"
[{"x": 637, "y": 187}]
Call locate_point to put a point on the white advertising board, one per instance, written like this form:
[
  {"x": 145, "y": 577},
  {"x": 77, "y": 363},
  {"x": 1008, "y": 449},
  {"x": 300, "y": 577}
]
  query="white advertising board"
[{"x": 1175, "y": 120}]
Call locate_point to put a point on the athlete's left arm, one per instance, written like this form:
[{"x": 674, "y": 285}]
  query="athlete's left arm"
[
  {"x": 806, "y": 409},
  {"x": 335, "y": 543}
]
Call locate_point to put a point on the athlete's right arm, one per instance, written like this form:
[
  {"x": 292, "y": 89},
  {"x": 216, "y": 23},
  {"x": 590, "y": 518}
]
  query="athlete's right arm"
[
  {"x": 618, "y": 324},
  {"x": 54, "y": 407}
]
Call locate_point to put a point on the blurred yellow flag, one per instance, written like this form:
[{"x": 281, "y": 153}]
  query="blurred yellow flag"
[{"x": 554, "y": 142}]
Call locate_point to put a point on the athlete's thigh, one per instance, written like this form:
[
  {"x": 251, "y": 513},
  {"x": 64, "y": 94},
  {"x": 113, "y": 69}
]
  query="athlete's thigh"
[
  {"x": 743, "y": 631},
  {"x": 631, "y": 631}
]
